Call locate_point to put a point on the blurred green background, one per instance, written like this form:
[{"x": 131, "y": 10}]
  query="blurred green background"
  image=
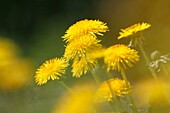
[{"x": 36, "y": 26}]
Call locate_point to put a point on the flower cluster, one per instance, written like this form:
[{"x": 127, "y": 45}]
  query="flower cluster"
[
  {"x": 83, "y": 50},
  {"x": 83, "y": 47},
  {"x": 81, "y": 39}
]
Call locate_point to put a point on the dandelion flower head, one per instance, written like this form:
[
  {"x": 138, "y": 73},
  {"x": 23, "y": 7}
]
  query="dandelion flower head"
[
  {"x": 51, "y": 69},
  {"x": 84, "y": 27},
  {"x": 80, "y": 67},
  {"x": 134, "y": 29},
  {"x": 81, "y": 47},
  {"x": 120, "y": 57},
  {"x": 117, "y": 86}
]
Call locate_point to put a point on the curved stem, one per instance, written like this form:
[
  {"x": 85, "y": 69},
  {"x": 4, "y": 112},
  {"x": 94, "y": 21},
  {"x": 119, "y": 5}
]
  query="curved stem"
[
  {"x": 66, "y": 87},
  {"x": 124, "y": 76},
  {"x": 147, "y": 60},
  {"x": 98, "y": 81},
  {"x": 130, "y": 94},
  {"x": 96, "y": 77}
]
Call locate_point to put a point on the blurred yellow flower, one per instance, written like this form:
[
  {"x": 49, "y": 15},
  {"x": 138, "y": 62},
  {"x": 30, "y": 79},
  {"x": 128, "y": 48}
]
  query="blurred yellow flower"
[
  {"x": 81, "y": 47},
  {"x": 85, "y": 27},
  {"x": 118, "y": 87},
  {"x": 119, "y": 57},
  {"x": 16, "y": 75},
  {"x": 134, "y": 29},
  {"x": 51, "y": 69},
  {"x": 15, "y": 72},
  {"x": 81, "y": 102},
  {"x": 80, "y": 67},
  {"x": 154, "y": 93},
  {"x": 8, "y": 51}
]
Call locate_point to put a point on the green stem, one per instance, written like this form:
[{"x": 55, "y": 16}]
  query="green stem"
[
  {"x": 133, "y": 103},
  {"x": 130, "y": 95},
  {"x": 66, "y": 87},
  {"x": 124, "y": 77},
  {"x": 96, "y": 77},
  {"x": 147, "y": 60},
  {"x": 112, "y": 107}
]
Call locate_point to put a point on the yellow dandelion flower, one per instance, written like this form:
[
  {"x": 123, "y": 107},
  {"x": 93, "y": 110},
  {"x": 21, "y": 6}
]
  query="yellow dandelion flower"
[
  {"x": 85, "y": 27},
  {"x": 118, "y": 87},
  {"x": 119, "y": 57},
  {"x": 80, "y": 67},
  {"x": 51, "y": 69},
  {"x": 134, "y": 29},
  {"x": 81, "y": 47}
]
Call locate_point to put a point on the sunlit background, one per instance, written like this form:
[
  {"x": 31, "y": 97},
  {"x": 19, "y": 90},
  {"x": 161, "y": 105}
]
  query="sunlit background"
[{"x": 30, "y": 33}]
